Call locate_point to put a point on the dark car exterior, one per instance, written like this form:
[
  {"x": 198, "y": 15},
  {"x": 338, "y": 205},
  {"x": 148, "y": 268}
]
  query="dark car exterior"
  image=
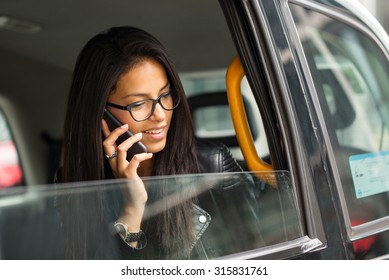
[{"x": 300, "y": 57}]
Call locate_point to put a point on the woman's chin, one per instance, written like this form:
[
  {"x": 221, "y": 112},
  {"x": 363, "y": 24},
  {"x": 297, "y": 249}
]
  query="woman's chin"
[{"x": 155, "y": 147}]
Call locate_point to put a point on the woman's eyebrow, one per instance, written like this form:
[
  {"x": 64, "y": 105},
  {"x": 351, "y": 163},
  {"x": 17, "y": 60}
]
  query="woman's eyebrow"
[
  {"x": 133, "y": 94},
  {"x": 165, "y": 86}
]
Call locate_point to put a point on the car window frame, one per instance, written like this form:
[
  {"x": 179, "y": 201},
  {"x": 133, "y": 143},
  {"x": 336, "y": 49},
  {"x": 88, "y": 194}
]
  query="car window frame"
[{"x": 377, "y": 226}]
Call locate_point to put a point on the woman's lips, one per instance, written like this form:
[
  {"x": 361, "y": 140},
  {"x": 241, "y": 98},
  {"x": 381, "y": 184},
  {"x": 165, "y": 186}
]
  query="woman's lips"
[{"x": 154, "y": 133}]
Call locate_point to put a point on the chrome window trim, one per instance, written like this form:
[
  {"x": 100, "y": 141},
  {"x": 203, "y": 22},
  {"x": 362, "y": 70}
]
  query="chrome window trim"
[
  {"x": 296, "y": 44},
  {"x": 313, "y": 220},
  {"x": 283, "y": 250},
  {"x": 383, "y": 257}
]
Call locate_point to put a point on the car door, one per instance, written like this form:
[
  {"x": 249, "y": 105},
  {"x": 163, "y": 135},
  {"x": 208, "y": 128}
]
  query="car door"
[
  {"x": 273, "y": 50},
  {"x": 348, "y": 61}
]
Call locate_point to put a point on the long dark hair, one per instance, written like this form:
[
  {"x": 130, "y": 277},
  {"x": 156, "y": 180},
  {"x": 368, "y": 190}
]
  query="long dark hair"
[{"x": 99, "y": 65}]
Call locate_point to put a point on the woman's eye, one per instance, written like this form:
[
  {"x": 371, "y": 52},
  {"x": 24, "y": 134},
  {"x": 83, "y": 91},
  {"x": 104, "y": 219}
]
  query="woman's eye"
[
  {"x": 138, "y": 105},
  {"x": 166, "y": 94}
]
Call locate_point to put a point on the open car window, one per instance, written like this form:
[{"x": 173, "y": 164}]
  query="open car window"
[{"x": 236, "y": 215}]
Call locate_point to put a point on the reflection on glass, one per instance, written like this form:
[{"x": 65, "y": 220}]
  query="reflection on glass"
[
  {"x": 232, "y": 213},
  {"x": 10, "y": 170},
  {"x": 351, "y": 76},
  {"x": 213, "y": 121}
]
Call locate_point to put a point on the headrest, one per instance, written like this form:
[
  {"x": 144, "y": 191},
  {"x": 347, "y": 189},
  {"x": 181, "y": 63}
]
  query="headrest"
[{"x": 212, "y": 120}]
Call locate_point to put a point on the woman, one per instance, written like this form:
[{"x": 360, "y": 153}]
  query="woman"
[
  {"x": 127, "y": 71},
  {"x": 122, "y": 66},
  {"x": 125, "y": 65}
]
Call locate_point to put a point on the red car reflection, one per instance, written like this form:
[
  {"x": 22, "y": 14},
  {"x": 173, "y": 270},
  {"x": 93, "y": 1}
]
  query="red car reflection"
[{"x": 10, "y": 171}]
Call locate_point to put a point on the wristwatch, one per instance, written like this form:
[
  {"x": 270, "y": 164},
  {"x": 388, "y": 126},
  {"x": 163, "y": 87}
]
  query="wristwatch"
[{"x": 127, "y": 236}]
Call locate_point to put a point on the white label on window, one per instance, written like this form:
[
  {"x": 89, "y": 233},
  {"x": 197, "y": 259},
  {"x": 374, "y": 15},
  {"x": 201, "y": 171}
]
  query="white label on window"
[{"x": 370, "y": 173}]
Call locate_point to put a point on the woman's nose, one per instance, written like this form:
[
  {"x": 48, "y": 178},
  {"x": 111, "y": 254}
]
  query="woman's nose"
[{"x": 159, "y": 113}]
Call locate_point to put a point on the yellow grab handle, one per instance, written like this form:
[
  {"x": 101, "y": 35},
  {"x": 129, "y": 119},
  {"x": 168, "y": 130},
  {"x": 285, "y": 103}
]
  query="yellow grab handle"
[{"x": 234, "y": 76}]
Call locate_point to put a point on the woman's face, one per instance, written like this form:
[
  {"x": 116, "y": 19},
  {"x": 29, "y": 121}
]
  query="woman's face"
[{"x": 144, "y": 81}]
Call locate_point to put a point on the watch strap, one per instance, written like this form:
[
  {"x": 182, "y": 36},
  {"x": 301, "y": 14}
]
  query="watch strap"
[
  {"x": 133, "y": 236},
  {"x": 126, "y": 235}
]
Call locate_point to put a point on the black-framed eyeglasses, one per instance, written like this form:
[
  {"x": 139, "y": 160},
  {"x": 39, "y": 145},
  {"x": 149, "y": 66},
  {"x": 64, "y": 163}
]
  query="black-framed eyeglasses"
[{"x": 144, "y": 109}]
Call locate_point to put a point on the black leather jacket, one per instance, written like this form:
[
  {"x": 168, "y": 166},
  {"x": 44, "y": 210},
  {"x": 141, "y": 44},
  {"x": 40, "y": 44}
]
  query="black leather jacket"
[{"x": 230, "y": 205}]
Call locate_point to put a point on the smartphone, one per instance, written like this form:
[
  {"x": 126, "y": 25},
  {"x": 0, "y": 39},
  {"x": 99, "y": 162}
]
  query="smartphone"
[{"x": 114, "y": 123}]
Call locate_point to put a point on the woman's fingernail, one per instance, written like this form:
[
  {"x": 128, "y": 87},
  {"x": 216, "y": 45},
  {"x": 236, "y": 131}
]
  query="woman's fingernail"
[
  {"x": 139, "y": 135},
  {"x": 124, "y": 126}
]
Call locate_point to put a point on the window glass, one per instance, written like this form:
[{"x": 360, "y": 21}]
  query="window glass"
[
  {"x": 351, "y": 76},
  {"x": 10, "y": 170},
  {"x": 214, "y": 120},
  {"x": 231, "y": 213},
  {"x": 207, "y": 96}
]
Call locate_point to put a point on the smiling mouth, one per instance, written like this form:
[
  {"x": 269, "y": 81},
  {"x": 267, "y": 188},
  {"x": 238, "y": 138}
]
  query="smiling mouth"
[{"x": 153, "y": 131}]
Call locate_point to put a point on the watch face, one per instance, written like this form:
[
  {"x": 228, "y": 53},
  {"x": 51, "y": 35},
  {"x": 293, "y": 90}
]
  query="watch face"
[{"x": 121, "y": 230}]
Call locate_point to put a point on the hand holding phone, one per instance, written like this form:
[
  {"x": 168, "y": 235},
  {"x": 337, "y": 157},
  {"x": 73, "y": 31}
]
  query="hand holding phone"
[{"x": 114, "y": 123}]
